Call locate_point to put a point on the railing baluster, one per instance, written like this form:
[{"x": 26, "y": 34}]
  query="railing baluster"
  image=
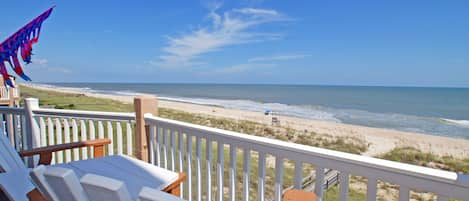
[
  {"x": 220, "y": 167},
  {"x": 119, "y": 137},
  {"x": 343, "y": 186},
  {"x": 158, "y": 146},
  {"x": 198, "y": 158},
  {"x": 246, "y": 172},
  {"x": 278, "y": 178},
  {"x": 110, "y": 135},
  {"x": 189, "y": 166},
  {"x": 22, "y": 132},
  {"x": 371, "y": 189},
  {"x": 68, "y": 152},
  {"x": 261, "y": 177},
  {"x": 208, "y": 149},
  {"x": 42, "y": 126},
  {"x": 58, "y": 130},
  {"x": 128, "y": 129},
  {"x": 100, "y": 130},
  {"x": 76, "y": 151},
  {"x": 233, "y": 172},
  {"x": 318, "y": 187},
  {"x": 50, "y": 130},
  {"x": 2, "y": 125},
  {"x": 17, "y": 134},
  {"x": 298, "y": 175},
  {"x": 403, "y": 193},
  {"x": 181, "y": 161},
  {"x": 152, "y": 145},
  {"x": 165, "y": 133},
  {"x": 92, "y": 136},
  {"x": 9, "y": 127},
  {"x": 84, "y": 150},
  {"x": 173, "y": 150}
]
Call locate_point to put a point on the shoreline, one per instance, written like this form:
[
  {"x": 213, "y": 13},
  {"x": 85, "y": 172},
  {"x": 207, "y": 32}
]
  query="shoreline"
[{"x": 380, "y": 140}]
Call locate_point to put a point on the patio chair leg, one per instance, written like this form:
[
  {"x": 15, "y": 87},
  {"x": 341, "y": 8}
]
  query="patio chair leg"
[
  {"x": 98, "y": 151},
  {"x": 35, "y": 195},
  {"x": 45, "y": 158}
]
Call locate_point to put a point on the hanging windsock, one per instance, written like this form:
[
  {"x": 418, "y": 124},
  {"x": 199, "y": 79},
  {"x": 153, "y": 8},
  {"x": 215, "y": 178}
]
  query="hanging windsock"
[{"x": 21, "y": 42}]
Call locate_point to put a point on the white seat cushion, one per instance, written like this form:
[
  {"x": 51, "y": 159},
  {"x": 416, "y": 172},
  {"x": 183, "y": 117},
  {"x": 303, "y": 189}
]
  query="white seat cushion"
[
  {"x": 134, "y": 173},
  {"x": 100, "y": 188},
  {"x": 148, "y": 194}
]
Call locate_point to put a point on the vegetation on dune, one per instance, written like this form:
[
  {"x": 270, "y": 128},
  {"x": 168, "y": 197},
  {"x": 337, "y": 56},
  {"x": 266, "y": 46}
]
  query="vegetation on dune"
[
  {"x": 333, "y": 195},
  {"x": 414, "y": 156},
  {"x": 52, "y": 99}
]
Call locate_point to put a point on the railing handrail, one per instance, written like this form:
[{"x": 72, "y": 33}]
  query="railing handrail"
[
  {"x": 125, "y": 116},
  {"x": 321, "y": 155},
  {"x": 12, "y": 110}
]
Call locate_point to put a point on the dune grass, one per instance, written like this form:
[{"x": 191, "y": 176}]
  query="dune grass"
[{"x": 414, "y": 156}]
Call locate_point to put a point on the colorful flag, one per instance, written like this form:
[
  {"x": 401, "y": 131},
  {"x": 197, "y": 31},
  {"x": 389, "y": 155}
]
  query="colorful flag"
[{"x": 21, "y": 42}]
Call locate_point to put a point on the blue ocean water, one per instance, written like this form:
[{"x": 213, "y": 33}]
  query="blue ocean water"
[{"x": 437, "y": 111}]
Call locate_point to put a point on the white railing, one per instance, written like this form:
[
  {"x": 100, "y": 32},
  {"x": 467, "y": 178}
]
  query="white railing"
[
  {"x": 5, "y": 92},
  {"x": 12, "y": 121},
  {"x": 172, "y": 147},
  {"x": 220, "y": 164},
  {"x": 64, "y": 126},
  {"x": 56, "y": 126}
]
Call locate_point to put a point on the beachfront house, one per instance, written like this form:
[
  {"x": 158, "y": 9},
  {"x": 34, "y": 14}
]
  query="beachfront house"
[{"x": 220, "y": 164}]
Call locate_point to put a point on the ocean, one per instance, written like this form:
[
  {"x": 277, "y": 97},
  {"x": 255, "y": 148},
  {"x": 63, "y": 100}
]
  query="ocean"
[{"x": 436, "y": 111}]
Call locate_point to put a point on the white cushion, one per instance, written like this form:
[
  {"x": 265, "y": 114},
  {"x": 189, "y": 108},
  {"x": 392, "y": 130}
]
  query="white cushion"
[
  {"x": 133, "y": 172},
  {"x": 64, "y": 184},
  {"x": 99, "y": 188},
  {"x": 149, "y": 194}
]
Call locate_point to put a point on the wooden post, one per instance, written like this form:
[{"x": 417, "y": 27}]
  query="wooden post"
[{"x": 143, "y": 105}]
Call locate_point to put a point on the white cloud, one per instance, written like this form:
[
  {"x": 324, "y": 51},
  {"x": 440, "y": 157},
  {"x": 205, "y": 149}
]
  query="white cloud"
[
  {"x": 229, "y": 28},
  {"x": 254, "y": 11},
  {"x": 59, "y": 70},
  {"x": 241, "y": 68},
  {"x": 257, "y": 63},
  {"x": 279, "y": 57},
  {"x": 40, "y": 61}
]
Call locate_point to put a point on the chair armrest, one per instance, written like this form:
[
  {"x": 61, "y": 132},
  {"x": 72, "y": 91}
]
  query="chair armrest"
[
  {"x": 45, "y": 153},
  {"x": 175, "y": 187}
]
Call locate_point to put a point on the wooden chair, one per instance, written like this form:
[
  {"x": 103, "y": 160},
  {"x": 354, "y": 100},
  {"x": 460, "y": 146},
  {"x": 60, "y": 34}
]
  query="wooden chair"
[
  {"x": 97, "y": 188},
  {"x": 136, "y": 173},
  {"x": 298, "y": 195},
  {"x": 14, "y": 185}
]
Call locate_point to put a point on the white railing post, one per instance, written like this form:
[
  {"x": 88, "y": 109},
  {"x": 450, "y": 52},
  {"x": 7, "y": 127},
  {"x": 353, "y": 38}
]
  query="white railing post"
[{"x": 31, "y": 132}]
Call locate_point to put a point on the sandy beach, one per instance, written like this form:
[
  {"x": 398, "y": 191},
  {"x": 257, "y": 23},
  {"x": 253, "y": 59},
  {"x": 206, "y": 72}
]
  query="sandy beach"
[{"x": 379, "y": 140}]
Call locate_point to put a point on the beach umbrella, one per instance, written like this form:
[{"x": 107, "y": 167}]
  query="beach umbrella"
[{"x": 21, "y": 44}]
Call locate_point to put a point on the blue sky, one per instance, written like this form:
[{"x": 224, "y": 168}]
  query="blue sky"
[{"x": 398, "y": 43}]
